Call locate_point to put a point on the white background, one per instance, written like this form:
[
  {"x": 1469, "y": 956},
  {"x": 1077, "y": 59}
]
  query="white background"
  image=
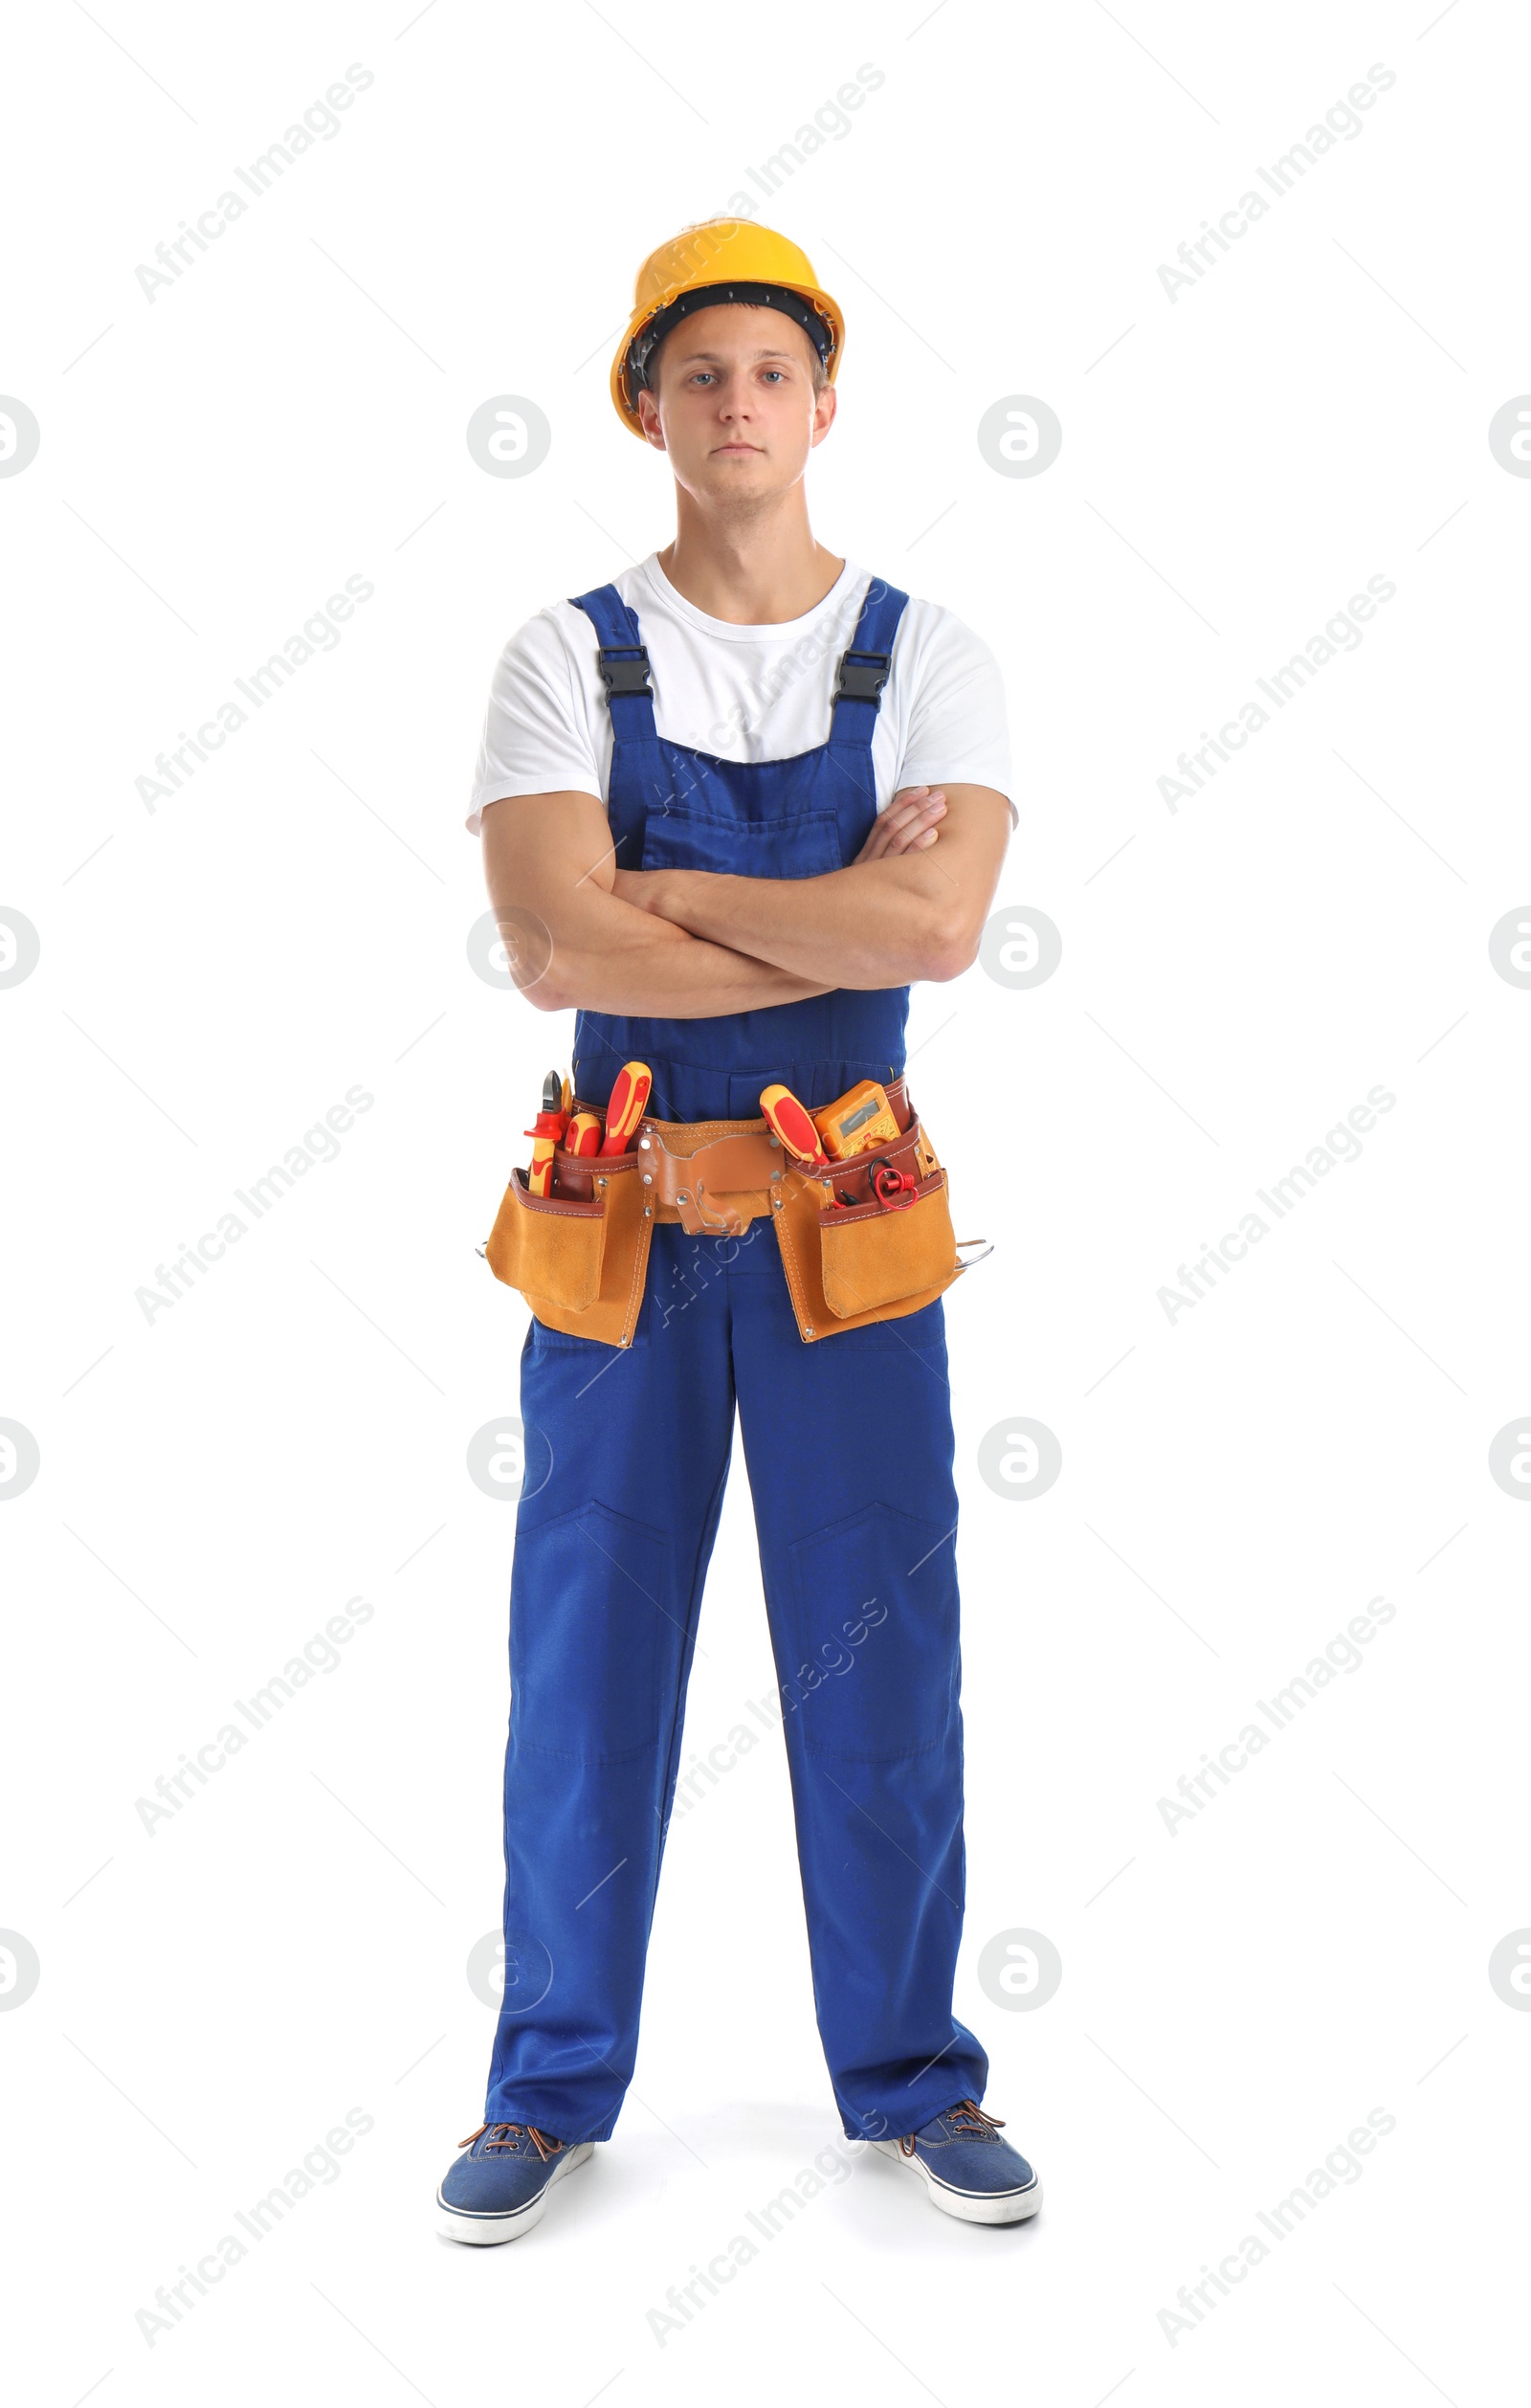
[{"x": 1236, "y": 1484}]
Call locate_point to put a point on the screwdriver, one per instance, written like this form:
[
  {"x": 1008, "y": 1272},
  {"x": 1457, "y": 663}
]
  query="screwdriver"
[
  {"x": 793, "y": 1124},
  {"x": 584, "y": 1134},
  {"x": 630, "y": 1097}
]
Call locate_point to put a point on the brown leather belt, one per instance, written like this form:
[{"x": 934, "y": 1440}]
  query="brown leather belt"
[{"x": 714, "y": 1177}]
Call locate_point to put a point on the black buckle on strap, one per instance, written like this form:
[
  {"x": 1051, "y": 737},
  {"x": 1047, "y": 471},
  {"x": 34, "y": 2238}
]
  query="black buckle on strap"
[
  {"x": 863, "y": 674},
  {"x": 624, "y": 669}
]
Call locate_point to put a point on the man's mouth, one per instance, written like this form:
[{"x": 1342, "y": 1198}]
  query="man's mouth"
[{"x": 735, "y": 447}]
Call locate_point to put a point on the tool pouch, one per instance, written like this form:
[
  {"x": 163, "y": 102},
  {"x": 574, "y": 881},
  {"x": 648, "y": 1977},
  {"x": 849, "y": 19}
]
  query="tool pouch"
[
  {"x": 579, "y": 1261},
  {"x": 850, "y": 1263},
  {"x": 580, "y": 1257}
]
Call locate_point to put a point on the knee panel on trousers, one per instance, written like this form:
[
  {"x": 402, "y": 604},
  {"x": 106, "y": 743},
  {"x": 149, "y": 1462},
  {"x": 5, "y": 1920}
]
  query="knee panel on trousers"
[
  {"x": 874, "y": 1623},
  {"x": 587, "y": 1636}
]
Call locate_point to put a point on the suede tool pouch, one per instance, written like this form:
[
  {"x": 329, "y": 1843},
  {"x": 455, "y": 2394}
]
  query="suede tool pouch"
[
  {"x": 869, "y": 1257},
  {"x": 580, "y": 1263},
  {"x": 866, "y": 1261}
]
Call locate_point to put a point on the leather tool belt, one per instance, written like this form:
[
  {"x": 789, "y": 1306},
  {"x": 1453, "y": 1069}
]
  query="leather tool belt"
[
  {"x": 714, "y": 1177},
  {"x": 865, "y": 1239}
]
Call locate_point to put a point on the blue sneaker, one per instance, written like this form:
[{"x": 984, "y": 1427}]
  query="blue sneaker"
[
  {"x": 500, "y": 2189},
  {"x": 967, "y": 2170}
]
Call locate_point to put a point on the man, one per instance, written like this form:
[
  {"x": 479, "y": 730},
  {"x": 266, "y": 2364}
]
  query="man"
[{"x": 787, "y": 802}]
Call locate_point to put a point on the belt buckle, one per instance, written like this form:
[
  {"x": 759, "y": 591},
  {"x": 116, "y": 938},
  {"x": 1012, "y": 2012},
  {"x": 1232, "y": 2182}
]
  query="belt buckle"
[
  {"x": 702, "y": 1210},
  {"x": 705, "y": 1216}
]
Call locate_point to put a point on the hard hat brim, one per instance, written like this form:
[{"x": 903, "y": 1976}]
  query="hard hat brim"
[{"x": 624, "y": 397}]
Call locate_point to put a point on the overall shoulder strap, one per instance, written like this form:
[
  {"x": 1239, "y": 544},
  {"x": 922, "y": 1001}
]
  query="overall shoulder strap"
[
  {"x": 865, "y": 665},
  {"x": 621, "y": 660}
]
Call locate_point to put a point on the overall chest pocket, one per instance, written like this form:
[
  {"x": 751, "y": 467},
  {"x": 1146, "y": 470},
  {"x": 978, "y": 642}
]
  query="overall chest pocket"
[{"x": 806, "y": 845}]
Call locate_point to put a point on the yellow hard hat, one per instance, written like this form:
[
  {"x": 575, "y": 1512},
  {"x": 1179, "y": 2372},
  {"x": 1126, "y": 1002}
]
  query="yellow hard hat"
[{"x": 723, "y": 260}]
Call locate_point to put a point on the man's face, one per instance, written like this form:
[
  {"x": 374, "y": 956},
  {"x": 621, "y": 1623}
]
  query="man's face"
[{"x": 736, "y": 409}]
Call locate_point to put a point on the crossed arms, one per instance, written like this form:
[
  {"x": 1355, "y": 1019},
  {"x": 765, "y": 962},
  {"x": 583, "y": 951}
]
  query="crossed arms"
[{"x": 684, "y": 944}]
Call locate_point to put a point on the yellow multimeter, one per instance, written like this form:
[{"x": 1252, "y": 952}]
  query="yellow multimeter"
[{"x": 857, "y": 1120}]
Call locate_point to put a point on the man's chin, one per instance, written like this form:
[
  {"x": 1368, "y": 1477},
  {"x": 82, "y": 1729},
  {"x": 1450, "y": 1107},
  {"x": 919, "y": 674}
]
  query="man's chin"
[{"x": 738, "y": 477}]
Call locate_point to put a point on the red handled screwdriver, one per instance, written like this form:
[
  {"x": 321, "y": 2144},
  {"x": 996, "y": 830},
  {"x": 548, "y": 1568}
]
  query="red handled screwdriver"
[
  {"x": 630, "y": 1097},
  {"x": 790, "y": 1122}
]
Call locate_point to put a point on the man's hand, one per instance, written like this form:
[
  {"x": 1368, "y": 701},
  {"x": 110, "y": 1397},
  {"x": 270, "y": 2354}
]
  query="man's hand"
[
  {"x": 907, "y": 908},
  {"x": 910, "y": 822}
]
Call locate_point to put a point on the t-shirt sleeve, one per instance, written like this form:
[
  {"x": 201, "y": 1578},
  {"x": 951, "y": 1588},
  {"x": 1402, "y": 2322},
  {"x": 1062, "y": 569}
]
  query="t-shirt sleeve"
[
  {"x": 959, "y": 730},
  {"x": 536, "y": 736}
]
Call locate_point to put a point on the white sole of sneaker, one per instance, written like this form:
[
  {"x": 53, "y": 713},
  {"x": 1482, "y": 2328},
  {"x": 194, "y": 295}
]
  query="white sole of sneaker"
[
  {"x": 485, "y": 2231},
  {"x": 973, "y": 2207}
]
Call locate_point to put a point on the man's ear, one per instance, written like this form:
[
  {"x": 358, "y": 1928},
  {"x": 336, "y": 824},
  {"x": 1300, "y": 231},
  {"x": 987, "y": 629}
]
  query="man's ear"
[
  {"x": 825, "y": 406},
  {"x": 648, "y": 419}
]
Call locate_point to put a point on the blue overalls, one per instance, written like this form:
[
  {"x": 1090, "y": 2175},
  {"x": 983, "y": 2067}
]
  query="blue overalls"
[{"x": 848, "y": 1448}]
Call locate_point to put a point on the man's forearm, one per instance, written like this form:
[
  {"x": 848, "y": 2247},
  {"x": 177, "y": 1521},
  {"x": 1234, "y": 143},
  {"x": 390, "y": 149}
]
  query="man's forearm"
[
  {"x": 622, "y": 960},
  {"x": 900, "y": 911},
  {"x": 878, "y": 924},
  {"x": 549, "y": 863}
]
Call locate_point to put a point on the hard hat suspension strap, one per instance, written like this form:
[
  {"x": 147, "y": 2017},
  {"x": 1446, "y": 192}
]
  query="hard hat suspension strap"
[{"x": 646, "y": 342}]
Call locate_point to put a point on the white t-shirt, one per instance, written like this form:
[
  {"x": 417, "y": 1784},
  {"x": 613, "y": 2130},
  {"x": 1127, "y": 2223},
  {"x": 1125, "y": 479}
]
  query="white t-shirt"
[{"x": 741, "y": 694}]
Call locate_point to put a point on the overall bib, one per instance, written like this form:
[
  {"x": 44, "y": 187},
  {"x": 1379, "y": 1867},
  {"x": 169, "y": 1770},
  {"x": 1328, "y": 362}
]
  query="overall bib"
[{"x": 848, "y": 1447}]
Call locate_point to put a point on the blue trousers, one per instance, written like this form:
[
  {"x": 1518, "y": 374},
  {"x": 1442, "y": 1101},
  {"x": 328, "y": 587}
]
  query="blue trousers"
[{"x": 848, "y": 1445}]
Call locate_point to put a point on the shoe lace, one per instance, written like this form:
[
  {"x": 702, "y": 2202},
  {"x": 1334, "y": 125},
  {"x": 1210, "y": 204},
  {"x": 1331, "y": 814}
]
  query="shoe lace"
[
  {"x": 499, "y": 2137},
  {"x": 966, "y": 2116}
]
